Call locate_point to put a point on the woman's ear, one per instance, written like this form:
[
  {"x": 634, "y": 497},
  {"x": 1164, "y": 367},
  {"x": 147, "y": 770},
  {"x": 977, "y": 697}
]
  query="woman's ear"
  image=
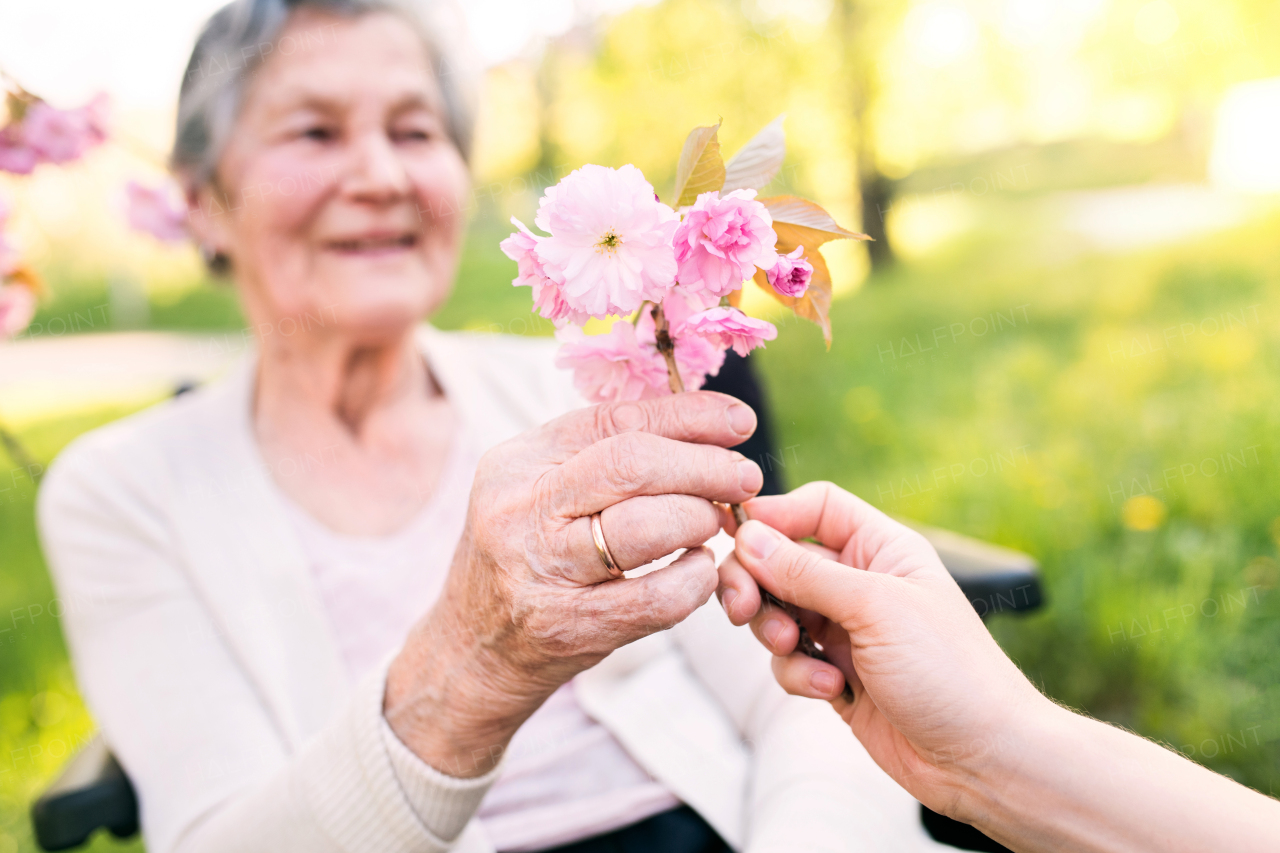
[{"x": 207, "y": 213}]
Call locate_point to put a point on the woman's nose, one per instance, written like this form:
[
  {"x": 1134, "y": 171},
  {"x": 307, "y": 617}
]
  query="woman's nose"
[{"x": 377, "y": 173}]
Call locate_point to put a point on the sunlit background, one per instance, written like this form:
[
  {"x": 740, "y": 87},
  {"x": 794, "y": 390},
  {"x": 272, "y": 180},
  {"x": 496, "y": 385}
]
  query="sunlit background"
[{"x": 1071, "y": 310}]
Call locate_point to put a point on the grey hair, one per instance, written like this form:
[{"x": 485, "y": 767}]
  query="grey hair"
[{"x": 241, "y": 35}]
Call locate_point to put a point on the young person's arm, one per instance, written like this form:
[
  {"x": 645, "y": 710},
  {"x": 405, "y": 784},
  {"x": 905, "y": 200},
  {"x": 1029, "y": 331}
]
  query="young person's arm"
[{"x": 944, "y": 711}]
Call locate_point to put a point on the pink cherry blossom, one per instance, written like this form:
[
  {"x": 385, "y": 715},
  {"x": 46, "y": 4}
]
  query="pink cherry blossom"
[
  {"x": 17, "y": 307},
  {"x": 519, "y": 247},
  {"x": 60, "y": 136},
  {"x": 609, "y": 247},
  {"x": 97, "y": 114},
  {"x": 47, "y": 134},
  {"x": 682, "y": 303},
  {"x": 696, "y": 359},
  {"x": 547, "y": 297},
  {"x": 722, "y": 240},
  {"x": 156, "y": 211},
  {"x": 8, "y": 253},
  {"x": 625, "y": 363},
  {"x": 16, "y": 155},
  {"x": 790, "y": 275},
  {"x": 613, "y": 367},
  {"x": 727, "y": 327}
]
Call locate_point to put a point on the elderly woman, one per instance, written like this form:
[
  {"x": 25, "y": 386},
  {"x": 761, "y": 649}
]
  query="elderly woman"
[{"x": 295, "y": 628}]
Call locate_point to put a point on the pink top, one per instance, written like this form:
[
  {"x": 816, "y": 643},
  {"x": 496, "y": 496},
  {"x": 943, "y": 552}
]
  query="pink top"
[{"x": 564, "y": 777}]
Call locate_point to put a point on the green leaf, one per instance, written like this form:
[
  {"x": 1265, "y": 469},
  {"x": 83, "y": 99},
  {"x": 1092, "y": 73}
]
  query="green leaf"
[
  {"x": 700, "y": 169},
  {"x": 757, "y": 162}
]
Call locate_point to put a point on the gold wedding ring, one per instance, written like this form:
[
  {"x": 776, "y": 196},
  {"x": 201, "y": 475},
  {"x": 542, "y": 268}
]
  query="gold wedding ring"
[{"x": 597, "y": 534}]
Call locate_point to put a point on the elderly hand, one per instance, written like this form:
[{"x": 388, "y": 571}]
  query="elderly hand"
[
  {"x": 529, "y": 602},
  {"x": 934, "y": 696}
]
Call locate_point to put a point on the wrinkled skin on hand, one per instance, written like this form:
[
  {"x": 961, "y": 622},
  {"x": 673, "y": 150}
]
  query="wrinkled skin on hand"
[{"x": 528, "y": 603}]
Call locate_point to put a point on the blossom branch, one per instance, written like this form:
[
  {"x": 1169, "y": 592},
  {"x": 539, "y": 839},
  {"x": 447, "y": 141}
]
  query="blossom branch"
[{"x": 667, "y": 347}]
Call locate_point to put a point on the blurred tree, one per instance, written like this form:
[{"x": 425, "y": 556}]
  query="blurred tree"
[
  {"x": 890, "y": 101},
  {"x": 864, "y": 27},
  {"x": 546, "y": 87}
]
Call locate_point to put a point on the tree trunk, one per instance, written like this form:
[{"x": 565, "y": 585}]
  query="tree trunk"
[
  {"x": 860, "y": 27},
  {"x": 877, "y": 197},
  {"x": 545, "y": 171}
]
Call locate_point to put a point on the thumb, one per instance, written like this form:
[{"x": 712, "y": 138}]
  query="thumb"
[{"x": 797, "y": 574}]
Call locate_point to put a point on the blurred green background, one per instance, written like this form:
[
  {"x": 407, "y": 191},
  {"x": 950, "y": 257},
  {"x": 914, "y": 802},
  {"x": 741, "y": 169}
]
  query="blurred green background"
[{"x": 1065, "y": 340}]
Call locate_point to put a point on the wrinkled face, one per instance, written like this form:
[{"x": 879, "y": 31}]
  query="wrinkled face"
[{"x": 338, "y": 195}]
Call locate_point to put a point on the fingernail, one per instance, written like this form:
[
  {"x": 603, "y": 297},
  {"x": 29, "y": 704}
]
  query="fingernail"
[
  {"x": 759, "y": 539},
  {"x": 772, "y": 628},
  {"x": 750, "y": 477},
  {"x": 824, "y": 682},
  {"x": 727, "y": 599},
  {"x": 742, "y": 420}
]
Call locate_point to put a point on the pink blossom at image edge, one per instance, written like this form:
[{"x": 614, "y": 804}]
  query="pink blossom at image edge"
[
  {"x": 47, "y": 134},
  {"x": 17, "y": 307},
  {"x": 8, "y": 254},
  {"x": 15, "y": 156},
  {"x": 155, "y": 211}
]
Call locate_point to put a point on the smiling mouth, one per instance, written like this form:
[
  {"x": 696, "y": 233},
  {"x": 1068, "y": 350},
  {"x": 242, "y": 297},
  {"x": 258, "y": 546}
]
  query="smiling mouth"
[{"x": 374, "y": 245}]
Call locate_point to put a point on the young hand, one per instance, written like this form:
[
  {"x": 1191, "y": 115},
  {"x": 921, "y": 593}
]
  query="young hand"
[{"x": 934, "y": 696}]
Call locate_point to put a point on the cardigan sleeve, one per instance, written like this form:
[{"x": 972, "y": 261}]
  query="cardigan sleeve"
[
  {"x": 443, "y": 803},
  {"x": 212, "y": 770}
]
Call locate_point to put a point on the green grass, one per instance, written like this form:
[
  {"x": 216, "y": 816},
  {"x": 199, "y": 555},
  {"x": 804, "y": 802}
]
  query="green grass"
[
  {"x": 42, "y": 718},
  {"x": 1037, "y": 434}
]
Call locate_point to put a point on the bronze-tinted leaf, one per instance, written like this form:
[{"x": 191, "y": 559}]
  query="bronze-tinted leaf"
[
  {"x": 808, "y": 215},
  {"x": 757, "y": 162},
  {"x": 25, "y": 276},
  {"x": 701, "y": 168},
  {"x": 800, "y": 222}
]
